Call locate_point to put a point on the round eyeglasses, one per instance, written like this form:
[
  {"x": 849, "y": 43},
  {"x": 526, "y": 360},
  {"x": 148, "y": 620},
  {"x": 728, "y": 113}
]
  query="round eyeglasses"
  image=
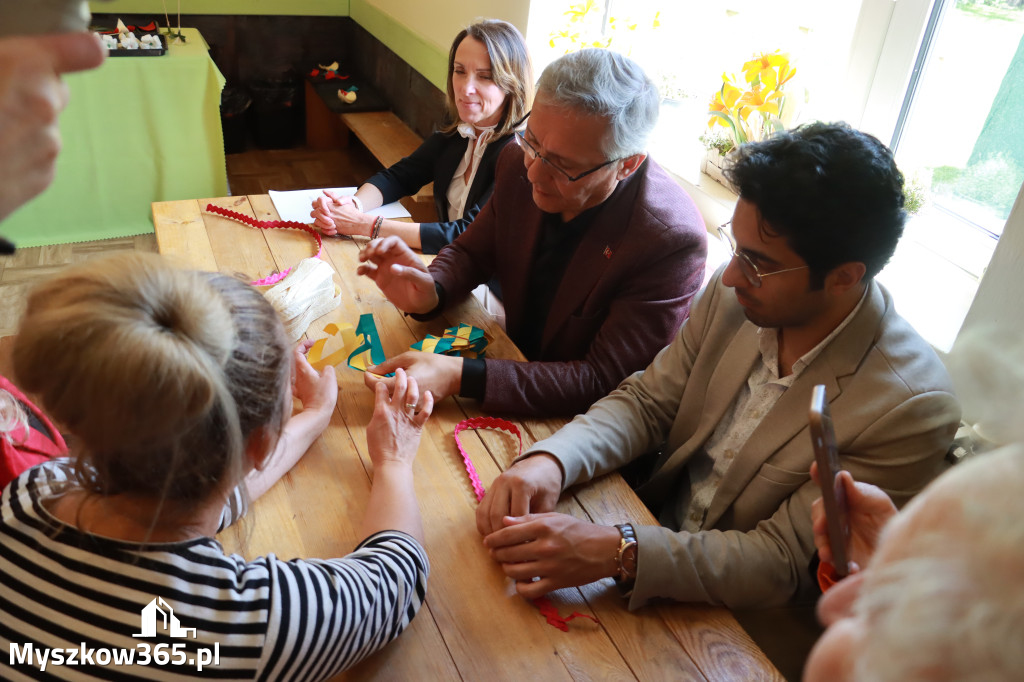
[
  {"x": 532, "y": 153},
  {"x": 751, "y": 272}
]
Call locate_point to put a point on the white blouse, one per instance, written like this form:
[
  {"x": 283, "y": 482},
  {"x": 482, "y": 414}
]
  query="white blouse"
[{"x": 458, "y": 189}]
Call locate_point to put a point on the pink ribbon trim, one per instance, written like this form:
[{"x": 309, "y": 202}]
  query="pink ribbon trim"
[
  {"x": 546, "y": 607},
  {"x": 482, "y": 423}
]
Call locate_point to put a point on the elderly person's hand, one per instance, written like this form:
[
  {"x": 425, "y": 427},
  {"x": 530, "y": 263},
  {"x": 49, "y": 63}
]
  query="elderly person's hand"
[
  {"x": 869, "y": 509},
  {"x": 393, "y": 435},
  {"x": 32, "y": 94},
  {"x": 400, "y": 274}
]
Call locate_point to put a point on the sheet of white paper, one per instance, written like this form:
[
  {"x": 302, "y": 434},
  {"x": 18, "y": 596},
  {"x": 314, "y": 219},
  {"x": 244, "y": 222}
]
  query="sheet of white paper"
[{"x": 297, "y": 204}]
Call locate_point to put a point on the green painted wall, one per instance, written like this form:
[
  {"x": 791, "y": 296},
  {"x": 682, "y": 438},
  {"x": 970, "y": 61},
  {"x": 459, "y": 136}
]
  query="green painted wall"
[
  {"x": 327, "y": 8},
  {"x": 421, "y": 32},
  {"x": 421, "y": 54}
]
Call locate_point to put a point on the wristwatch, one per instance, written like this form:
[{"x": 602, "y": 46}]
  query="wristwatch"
[{"x": 627, "y": 556}]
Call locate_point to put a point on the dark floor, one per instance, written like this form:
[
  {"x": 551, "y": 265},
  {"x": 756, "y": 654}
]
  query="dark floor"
[{"x": 258, "y": 171}]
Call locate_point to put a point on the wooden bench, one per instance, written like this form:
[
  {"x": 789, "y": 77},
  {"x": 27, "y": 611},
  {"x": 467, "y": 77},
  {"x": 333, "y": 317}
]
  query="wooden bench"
[{"x": 383, "y": 134}]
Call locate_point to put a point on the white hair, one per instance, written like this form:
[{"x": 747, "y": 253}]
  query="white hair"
[
  {"x": 951, "y": 606},
  {"x": 604, "y": 83}
]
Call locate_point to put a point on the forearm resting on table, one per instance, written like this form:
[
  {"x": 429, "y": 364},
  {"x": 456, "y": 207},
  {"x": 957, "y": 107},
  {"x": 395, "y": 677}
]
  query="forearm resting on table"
[
  {"x": 296, "y": 438},
  {"x": 407, "y": 232},
  {"x": 369, "y": 196},
  {"x": 393, "y": 504}
]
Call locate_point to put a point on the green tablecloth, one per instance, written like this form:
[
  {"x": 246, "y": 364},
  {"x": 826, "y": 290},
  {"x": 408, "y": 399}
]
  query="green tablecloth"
[{"x": 137, "y": 130}]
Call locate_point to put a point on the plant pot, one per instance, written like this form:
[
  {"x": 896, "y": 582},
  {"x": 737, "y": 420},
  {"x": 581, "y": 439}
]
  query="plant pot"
[{"x": 714, "y": 164}]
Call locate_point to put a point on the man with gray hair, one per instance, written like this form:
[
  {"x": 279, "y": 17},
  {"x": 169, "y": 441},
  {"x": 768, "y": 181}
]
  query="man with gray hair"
[{"x": 597, "y": 250}]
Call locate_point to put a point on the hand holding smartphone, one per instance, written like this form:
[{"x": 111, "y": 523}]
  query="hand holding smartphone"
[{"x": 833, "y": 494}]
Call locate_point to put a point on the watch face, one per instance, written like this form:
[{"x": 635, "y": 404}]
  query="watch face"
[{"x": 629, "y": 560}]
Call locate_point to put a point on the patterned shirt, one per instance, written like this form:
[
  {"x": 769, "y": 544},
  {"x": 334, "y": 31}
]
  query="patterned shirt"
[
  {"x": 62, "y": 590},
  {"x": 756, "y": 398}
]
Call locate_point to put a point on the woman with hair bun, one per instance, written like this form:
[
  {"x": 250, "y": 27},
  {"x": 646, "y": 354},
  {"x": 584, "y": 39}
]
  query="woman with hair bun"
[
  {"x": 490, "y": 90},
  {"x": 177, "y": 387}
]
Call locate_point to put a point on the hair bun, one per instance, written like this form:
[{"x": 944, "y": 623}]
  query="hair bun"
[
  {"x": 125, "y": 350},
  {"x": 193, "y": 312}
]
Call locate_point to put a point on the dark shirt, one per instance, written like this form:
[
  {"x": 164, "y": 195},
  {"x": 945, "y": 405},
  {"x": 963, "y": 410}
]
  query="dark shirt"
[
  {"x": 551, "y": 256},
  {"x": 554, "y": 250}
]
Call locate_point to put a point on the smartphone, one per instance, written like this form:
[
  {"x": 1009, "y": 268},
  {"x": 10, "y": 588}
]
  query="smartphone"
[{"x": 833, "y": 494}]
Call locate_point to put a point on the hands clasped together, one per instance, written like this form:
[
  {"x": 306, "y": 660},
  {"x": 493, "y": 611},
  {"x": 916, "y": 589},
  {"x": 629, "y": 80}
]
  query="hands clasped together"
[
  {"x": 335, "y": 214},
  {"x": 393, "y": 434},
  {"x": 398, "y": 418}
]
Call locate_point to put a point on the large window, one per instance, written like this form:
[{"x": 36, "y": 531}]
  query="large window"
[
  {"x": 956, "y": 140},
  {"x": 687, "y": 46}
]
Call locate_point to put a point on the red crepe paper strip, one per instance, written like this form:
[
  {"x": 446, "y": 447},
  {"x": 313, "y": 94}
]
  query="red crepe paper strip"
[
  {"x": 269, "y": 225},
  {"x": 547, "y": 609}
]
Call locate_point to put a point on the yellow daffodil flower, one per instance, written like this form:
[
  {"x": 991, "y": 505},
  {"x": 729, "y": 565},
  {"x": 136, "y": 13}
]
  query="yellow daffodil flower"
[{"x": 752, "y": 110}]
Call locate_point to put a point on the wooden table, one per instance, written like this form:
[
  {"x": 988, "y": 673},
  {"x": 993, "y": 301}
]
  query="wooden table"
[{"x": 473, "y": 626}]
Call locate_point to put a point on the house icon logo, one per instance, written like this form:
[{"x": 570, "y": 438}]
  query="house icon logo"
[{"x": 171, "y": 624}]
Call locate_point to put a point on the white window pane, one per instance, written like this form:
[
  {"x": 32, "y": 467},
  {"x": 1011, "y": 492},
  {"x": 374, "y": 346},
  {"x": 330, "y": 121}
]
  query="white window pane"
[{"x": 961, "y": 145}]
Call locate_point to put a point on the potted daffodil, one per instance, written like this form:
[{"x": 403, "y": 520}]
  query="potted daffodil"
[{"x": 749, "y": 110}]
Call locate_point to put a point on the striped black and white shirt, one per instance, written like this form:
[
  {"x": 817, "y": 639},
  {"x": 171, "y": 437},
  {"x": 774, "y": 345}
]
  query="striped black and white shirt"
[{"x": 76, "y": 606}]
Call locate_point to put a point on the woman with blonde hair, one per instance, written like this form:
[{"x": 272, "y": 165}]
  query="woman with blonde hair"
[
  {"x": 490, "y": 90},
  {"x": 177, "y": 386}
]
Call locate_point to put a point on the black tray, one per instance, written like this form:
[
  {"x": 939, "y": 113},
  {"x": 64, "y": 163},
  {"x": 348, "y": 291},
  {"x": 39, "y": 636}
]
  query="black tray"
[{"x": 140, "y": 52}]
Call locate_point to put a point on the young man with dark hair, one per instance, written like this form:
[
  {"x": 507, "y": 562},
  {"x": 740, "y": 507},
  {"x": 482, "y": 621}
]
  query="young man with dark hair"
[{"x": 715, "y": 429}]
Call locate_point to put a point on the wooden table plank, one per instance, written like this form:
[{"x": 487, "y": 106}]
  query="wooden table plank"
[
  {"x": 445, "y": 482},
  {"x": 240, "y": 250},
  {"x": 493, "y": 452},
  {"x": 332, "y": 487},
  {"x": 182, "y": 234}
]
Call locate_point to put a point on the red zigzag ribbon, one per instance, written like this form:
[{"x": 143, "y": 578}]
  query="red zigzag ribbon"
[{"x": 269, "y": 225}]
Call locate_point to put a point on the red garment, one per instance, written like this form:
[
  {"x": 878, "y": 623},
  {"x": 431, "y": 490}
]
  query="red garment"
[
  {"x": 827, "y": 576},
  {"x": 27, "y": 451}
]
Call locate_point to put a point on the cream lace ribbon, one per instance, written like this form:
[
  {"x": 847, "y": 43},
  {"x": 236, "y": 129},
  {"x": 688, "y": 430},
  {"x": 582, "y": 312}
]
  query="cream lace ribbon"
[{"x": 304, "y": 295}]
